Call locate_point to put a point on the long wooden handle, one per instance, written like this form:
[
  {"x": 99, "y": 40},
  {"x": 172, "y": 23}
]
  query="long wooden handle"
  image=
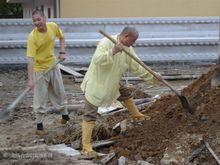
[
  {"x": 139, "y": 61},
  {"x": 15, "y": 102}
]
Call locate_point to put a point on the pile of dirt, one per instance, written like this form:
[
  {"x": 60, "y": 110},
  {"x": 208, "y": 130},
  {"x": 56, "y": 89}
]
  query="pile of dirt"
[{"x": 150, "y": 140}]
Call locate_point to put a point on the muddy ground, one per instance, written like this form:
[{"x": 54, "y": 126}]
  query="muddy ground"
[
  {"x": 171, "y": 124},
  {"x": 171, "y": 131}
]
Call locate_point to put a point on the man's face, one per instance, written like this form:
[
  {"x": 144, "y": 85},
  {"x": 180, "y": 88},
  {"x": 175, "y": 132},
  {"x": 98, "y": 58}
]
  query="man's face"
[
  {"x": 39, "y": 21},
  {"x": 129, "y": 40}
]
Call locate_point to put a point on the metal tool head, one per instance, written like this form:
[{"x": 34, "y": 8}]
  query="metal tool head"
[
  {"x": 215, "y": 81},
  {"x": 185, "y": 104},
  {"x": 4, "y": 114}
]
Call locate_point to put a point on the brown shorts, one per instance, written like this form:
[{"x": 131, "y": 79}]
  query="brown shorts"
[{"x": 91, "y": 111}]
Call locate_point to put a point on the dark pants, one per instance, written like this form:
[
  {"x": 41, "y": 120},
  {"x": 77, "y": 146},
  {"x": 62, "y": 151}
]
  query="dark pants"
[{"x": 91, "y": 111}]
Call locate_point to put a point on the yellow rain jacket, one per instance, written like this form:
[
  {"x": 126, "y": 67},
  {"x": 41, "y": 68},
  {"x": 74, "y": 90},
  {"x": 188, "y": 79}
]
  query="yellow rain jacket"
[{"x": 101, "y": 82}]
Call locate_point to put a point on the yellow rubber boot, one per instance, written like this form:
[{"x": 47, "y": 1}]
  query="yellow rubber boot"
[
  {"x": 87, "y": 127},
  {"x": 135, "y": 114}
]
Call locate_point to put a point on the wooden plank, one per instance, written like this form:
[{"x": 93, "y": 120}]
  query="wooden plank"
[
  {"x": 102, "y": 143},
  {"x": 179, "y": 77},
  {"x": 70, "y": 108},
  {"x": 70, "y": 71},
  {"x": 38, "y": 147},
  {"x": 107, "y": 158}
]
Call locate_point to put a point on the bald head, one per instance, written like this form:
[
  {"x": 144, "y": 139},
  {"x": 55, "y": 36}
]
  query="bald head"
[
  {"x": 128, "y": 36},
  {"x": 130, "y": 31},
  {"x": 37, "y": 11}
]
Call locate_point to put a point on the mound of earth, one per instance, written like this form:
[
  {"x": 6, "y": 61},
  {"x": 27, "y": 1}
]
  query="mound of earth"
[{"x": 151, "y": 139}]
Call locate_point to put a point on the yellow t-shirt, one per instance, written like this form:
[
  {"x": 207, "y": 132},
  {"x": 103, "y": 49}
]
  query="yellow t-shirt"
[{"x": 40, "y": 46}]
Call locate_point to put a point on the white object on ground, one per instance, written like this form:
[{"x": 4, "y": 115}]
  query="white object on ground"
[
  {"x": 122, "y": 160},
  {"x": 114, "y": 106},
  {"x": 156, "y": 97},
  {"x": 63, "y": 149}
]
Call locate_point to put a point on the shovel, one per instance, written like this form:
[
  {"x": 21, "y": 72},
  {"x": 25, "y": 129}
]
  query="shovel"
[
  {"x": 215, "y": 81},
  {"x": 183, "y": 99},
  {"x": 4, "y": 113}
]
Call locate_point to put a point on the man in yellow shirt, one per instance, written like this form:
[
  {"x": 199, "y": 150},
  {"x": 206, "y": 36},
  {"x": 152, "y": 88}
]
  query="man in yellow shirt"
[
  {"x": 101, "y": 83},
  {"x": 40, "y": 55}
]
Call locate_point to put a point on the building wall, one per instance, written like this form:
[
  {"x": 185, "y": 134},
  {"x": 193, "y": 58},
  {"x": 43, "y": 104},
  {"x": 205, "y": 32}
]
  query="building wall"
[
  {"x": 46, "y": 5},
  {"x": 138, "y": 8}
]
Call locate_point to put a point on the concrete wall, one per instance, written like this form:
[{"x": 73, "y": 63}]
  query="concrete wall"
[
  {"x": 138, "y": 8},
  {"x": 184, "y": 40}
]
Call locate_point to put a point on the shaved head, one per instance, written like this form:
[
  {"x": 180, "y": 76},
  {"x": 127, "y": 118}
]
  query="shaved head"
[
  {"x": 128, "y": 36},
  {"x": 39, "y": 20},
  {"x": 37, "y": 11},
  {"x": 130, "y": 31}
]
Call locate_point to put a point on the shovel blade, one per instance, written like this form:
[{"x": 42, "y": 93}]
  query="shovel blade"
[
  {"x": 4, "y": 114},
  {"x": 185, "y": 104},
  {"x": 215, "y": 82}
]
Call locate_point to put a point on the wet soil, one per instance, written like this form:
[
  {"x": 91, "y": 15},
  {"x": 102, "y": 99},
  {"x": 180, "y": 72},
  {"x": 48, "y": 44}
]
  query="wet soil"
[
  {"x": 146, "y": 140},
  {"x": 169, "y": 119}
]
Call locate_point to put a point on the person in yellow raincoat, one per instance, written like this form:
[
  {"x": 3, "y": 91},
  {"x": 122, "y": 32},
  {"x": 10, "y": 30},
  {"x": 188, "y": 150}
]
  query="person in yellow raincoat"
[{"x": 101, "y": 83}]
